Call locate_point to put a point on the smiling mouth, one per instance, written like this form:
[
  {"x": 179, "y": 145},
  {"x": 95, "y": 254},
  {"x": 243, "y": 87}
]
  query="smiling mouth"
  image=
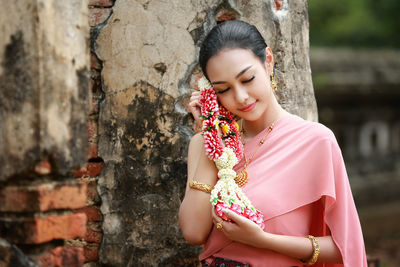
[{"x": 248, "y": 107}]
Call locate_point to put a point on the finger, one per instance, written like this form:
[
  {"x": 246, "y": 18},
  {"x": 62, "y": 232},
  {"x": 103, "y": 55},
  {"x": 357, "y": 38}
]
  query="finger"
[
  {"x": 194, "y": 99},
  {"x": 195, "y": 96},
  {"x": 196, "y": 114},
  {"x": 194, "y": 103},
  {"x": 214, "y": 215},
  {"x": 193, "y": 107},
  {"x": 234, "y": 216},
  {"x": 196, "y": 89},
  {"x": 188, "y": 107},
  {"x": 216, "y": 219},
  {"x": 220, "y": 225}
]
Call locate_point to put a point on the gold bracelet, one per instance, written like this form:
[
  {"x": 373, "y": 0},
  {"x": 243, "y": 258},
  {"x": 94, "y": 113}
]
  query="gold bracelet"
[
  {"x": 315, "y": 254},
  {"x": 200, "y": 186}
]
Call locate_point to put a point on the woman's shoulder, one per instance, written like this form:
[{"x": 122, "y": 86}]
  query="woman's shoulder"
[
  {"x": 308, "y": 136},
  {"x": 196, "y": 140},
  {"x": 310, "y": 129},
  {"x": 196, "y": 144}
]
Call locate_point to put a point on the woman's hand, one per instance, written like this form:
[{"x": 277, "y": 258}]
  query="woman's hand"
[
  {"x": 194, "y": 107},
  {"x": 245, "y": 231},
  {"x": 240, "y": 229}
]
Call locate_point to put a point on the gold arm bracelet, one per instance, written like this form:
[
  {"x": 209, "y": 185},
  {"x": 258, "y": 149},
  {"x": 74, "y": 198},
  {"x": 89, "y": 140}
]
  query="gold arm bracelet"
[
  {"x": 201, "y": 186},
  {"x": 315, "y": 254}
]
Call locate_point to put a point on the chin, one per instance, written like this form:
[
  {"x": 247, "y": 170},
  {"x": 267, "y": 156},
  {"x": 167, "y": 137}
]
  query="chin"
[
  {"x": 254, "y": 115},
  {"x": 250, "y": 118}
]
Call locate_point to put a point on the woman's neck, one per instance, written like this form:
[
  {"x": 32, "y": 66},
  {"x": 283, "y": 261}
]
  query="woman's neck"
[{"x": 252, "y": 128}]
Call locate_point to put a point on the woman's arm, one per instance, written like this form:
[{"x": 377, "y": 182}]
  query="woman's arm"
[
  {"x": 245, "y": 231},
  {"x": 301, "y": 247},
  {"x": 195, "y": 218}
]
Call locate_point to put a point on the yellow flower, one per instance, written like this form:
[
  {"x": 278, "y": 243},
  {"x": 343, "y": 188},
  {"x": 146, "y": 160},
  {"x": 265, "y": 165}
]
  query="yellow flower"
[
  {"x": 216, "y": 124},
  {"x": 237, "y": 125},
  {"x": 225, "y": 129}
]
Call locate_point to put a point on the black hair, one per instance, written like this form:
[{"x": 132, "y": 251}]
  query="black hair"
[{"x": 231, "y": 34}]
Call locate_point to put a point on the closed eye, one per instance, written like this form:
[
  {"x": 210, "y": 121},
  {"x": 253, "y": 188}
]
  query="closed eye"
[
  {"x": 246, "y": 81},
  {"x": 223, "y": 91},
  {"x": 249, "y": 80}
]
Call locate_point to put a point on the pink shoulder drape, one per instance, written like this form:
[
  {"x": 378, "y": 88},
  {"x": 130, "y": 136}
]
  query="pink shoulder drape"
[{"x": 299, "y": 163}]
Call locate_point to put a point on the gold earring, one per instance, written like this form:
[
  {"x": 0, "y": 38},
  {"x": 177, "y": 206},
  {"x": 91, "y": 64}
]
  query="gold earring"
[{"x": 273, "y": 84}]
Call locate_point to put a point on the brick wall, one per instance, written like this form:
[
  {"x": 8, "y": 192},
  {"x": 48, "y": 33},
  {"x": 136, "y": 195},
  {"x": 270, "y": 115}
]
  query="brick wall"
[
  {"x": 99, "y": 12},
  {"x": 38, "y": 217},
  {"x": 49, "y": 212}
]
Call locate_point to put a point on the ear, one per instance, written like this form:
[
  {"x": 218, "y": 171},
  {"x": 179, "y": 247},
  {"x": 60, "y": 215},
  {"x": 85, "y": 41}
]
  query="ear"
[{"x": 269, "y": 60}]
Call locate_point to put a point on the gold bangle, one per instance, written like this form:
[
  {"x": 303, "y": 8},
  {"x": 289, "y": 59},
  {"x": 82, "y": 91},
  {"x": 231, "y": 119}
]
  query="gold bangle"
[
  {"x": 201, "y": 186},
  {"x": 315, "y": 254}
]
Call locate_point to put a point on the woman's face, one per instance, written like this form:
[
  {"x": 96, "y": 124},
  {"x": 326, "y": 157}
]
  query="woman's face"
[{"x": 242, "y": 82}]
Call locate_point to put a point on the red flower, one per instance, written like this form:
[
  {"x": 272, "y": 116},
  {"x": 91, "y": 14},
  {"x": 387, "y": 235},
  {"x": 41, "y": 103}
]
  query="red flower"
[
  {"x": 219, "y": 207},
  {"x": 259, "y": 220},
  {"x": 213, "y": 145},
  {"x": 236, "y": 145},
  {"x": 236, "y": 208},
  {"x": 247, "y": 212},
  {"x": 211, "y": 122},
  {"x": 209, "y": 102},
  {"x": 225, "y": 113}
]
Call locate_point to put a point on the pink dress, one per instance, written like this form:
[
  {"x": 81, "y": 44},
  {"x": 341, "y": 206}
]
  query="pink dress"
[{"x": 299, "y": 163}]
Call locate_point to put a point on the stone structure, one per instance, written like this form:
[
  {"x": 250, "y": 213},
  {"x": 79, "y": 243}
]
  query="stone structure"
[
  {"x": 37, "y": 120},
  {"x": 44, "y": 82},
  {"x": 358, "y": 95},
  {"x": 149, "y": 51}
]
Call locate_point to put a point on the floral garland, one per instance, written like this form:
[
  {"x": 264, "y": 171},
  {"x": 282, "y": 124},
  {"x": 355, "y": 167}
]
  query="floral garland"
[{"x": 223, "y": 146}]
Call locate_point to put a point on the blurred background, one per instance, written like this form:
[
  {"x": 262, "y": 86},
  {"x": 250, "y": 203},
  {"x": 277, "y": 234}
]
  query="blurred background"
[{"x": 355, "y": 61}]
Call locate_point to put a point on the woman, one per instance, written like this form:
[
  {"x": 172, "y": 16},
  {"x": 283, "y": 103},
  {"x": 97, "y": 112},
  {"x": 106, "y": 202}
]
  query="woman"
[{"x": 297, "y": 178}]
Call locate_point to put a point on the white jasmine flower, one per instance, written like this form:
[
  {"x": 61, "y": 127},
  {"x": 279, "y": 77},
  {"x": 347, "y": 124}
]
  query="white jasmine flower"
[{"x": 203, "y": 83}]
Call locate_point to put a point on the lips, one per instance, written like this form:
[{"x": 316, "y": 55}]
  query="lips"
[{"x": 248, "y": 107}]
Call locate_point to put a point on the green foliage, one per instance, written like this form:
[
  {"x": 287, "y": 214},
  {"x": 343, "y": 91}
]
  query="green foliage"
[
  {"x": 320, "y": 80},
  {"x": 355, "y": 23}
]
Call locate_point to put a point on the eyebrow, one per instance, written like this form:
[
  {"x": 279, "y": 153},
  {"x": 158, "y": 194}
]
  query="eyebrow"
[{"x": 237, "y": 76}]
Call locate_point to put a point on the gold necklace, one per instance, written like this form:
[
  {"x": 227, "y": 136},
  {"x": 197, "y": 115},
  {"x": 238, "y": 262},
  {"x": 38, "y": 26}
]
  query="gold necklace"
[{"x": 242, "y": 176}]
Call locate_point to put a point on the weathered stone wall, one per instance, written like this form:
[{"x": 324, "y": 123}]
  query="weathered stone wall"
[
  {"x": 43, "y": 77},
  {"x": 44, "y": 96},
  {"x": 149, "y": 51}
]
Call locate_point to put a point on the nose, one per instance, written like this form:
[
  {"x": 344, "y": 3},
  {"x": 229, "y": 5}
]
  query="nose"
[{"x": 241, "y": 94}]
